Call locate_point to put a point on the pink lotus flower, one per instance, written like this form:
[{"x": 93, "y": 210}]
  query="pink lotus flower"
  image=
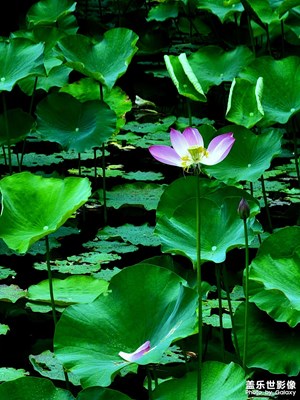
[
  {"x": 188, "y": 149},
  {"x": 138, "y": 353}
]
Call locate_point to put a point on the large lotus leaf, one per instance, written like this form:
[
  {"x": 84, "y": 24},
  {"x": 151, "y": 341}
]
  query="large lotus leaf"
[
  {"x": 19, "y": 124},
  {"x": 33, "y": 206},
  {"x": 22, "y": 58},
  {"x": 98, "y": 393},
  {"x": 88, "y": 89},
  {"x": 219, "y": 381},
  {"x": 66, "y": 290},
  {"x": 275, "y": 274},
  {"x": 184, "y": 77},
  {"x": 145, "y": 302},
  {"x": 244, "y": 102},
  {"x": 272, "y": 346},
  {"x": 250, "y": 156},
  {"x": 31, "y": 388},
  {"x": 105, "y": 61},
  {"x": 75, "y": 125},
  {"x": 281, "y": 97},
  {"x": 221, "y": 227},
  {"x": 286, "y": 5},
  {"x": 46, "y": 12},
  {"x": 163, "y": 11},
  {"x": 263, "y": 11},
  {"x": 222, "y": 9},
  {"x": 212, "y": 65},
  {"x": 57, "y": 77}
]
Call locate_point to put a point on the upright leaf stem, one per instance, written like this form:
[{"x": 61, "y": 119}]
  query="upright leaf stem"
[
  {"x": 52, "y": 300},
  {"x": 7, "y": 133},
  {"x": 218, "y": 277},
  {"x": 50, "y": 281},
  {"x": 199, "y": 289}
]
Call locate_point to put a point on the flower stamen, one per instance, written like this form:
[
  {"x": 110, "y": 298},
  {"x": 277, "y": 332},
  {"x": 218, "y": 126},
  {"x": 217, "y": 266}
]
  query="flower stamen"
[{"x": 197, "y": 153}]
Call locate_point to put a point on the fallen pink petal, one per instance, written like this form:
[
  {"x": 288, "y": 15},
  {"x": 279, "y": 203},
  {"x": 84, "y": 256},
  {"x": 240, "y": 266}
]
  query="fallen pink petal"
[
  {"x": 138, "y": 353},
  {"x": 188, "y": 149}
]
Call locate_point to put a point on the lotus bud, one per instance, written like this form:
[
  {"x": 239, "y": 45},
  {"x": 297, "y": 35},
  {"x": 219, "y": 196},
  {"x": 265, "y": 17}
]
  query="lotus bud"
[{"x": 244, "y": 209}]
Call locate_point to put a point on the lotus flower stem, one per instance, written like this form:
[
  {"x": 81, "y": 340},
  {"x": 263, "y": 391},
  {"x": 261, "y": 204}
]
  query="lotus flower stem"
[
  {"x": 199, "y": 289},
  {"x": 235, "y": 341},
  {"x": 50, "y": 281},
  {"x": 217, "y": 270},
  {"x": 246, "y": 293},
  {"x": 7, "y": 133},
  {"x": 263, "y": 187}
]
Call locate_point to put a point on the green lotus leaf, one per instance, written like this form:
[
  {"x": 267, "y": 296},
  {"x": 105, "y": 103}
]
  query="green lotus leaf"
[
  {"x": 244, "y": 103},
  {"x": 105, "y": 61},
  {"x": 274, "y": 276},
  {"x": 57, "y": 77},
  {"x": 281, "y": 97},
  {"x": 47, "y": 365},
  {"x": 221, "y": 227},
  {"x": 46, "y": 12},
  {"x": 138, "y": 235},
  {"x": 184, "y": 77},
  {"x": 4, "y": 329},
  {"x": 286, "y": 5},
  {"x": 219, "y": 381},
  {"x": 19, "y": 126},
  {"x": 263, "y": 11},
  {"x": 222, "y": 9},
  {"x": 264, "y": 336},
  {"x": 31, "y": 388},
  {"x": 212, "y": 65},
  {"x": 33, "y": 206},
  {"x": 88, "y": 89},
  {"x": 66, "y": 290},
  {"x": 250, "y": 156},
  {"x": 6, "y": 272},
  {"x": 22, "y": 58},
  {"x": 10, "y": 374},
  {"x": 75, "y": 125},
  {"x": 98, "y": 393},
  {"x": 163, "y": 11},
  {"x": 151, "y": 128},
  {"x": 11, "y": 293},
  {"x": 138, "y": 194},
  {"x": 145, "y": 302}
]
